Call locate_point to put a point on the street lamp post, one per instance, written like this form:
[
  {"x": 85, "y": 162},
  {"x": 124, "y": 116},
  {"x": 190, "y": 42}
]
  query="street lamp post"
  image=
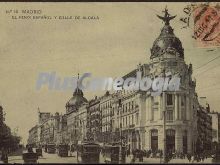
[
  {"x": 120, "y": 152},
  {"x": 164, "y": 128}
]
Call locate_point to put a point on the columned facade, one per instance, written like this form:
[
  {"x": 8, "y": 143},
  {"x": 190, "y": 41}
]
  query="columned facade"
[
  {"x": 167, "y": 56},
  {"x": 136, "y": 118}
]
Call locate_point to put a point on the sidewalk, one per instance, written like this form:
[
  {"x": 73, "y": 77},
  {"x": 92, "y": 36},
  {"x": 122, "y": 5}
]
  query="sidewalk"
[
  {"x": 13, "y": 158},
  {"x": 148, "y": 160},
  {"x": 72, "y": 154},
  {"x": 173, "y": 161},
  {"x": 208, "y": 160}
]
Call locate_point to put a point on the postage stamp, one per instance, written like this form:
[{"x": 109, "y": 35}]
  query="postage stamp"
[{"x": 207, "y": 25}]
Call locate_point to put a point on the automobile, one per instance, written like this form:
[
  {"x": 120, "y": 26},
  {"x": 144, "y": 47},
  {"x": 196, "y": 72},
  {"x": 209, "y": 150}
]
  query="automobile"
[
  {"x": 63, "y": 150},
  {"x": 88, "y": 152}
]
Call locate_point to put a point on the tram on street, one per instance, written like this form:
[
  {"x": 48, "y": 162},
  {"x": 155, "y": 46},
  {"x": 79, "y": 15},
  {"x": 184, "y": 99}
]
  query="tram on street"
[
  {"x": 62, "y": 150},
  {"x": 112, "y": 153},
  {"x": 29, "y": 156},
  {"x": 88, "y": 152}
]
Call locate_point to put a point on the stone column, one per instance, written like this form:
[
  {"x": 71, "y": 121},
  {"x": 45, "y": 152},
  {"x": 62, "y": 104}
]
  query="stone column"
[
  {"x": 142, "y": 138},
  {"x": 178, "y": 140},
  {"x": 147, "y": 139},
  {"x": 148, "y": 107},
  {"x": 151, "y": 108},
  {"x": 138, "y": 136},
  {"x": 176, "y": 106},
  {"x": 189, "y": 141},
  {"x": 161, "y": 103},
  {"x": 180, "y": 108},
  {"x": 160, "y": 138},
  {"x": 188, "y": 108}
]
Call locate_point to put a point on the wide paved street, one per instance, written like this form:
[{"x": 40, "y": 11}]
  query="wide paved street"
[
  {"x": 54, "y": 158},
  {"x": 47, "y": 158}
]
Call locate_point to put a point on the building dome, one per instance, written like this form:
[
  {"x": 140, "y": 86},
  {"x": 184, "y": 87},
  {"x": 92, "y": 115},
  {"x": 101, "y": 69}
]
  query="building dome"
[
  {"x": 167, "y": 41},
  {"x": 76, "y": 101},
  {"x": 77, "y": 98}
]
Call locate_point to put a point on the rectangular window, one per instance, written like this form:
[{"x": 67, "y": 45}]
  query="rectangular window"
[
  {"x": 169, "y": 99},
  {"x": 183, "y": 99},
  {"x": 155, "y": 100},
  {"x": 119, "y": 103},
  {"x": 183, "y": 113},
  {"x": 129, "y": 121},
  {"x": 169, "y": 115},
  {"x": 137, "y": 115},
  {"x": 132, "y": 119}
]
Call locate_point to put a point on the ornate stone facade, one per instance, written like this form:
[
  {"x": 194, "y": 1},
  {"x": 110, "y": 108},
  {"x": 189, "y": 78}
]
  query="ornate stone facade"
[{"x": 136, "y": 118}]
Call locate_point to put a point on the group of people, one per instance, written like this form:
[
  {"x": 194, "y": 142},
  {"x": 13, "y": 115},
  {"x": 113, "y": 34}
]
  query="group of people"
[
  {"x": 197, "y": 157},
  {"x": 140, "y": 154},
  {"x": 137, "y": 154}
]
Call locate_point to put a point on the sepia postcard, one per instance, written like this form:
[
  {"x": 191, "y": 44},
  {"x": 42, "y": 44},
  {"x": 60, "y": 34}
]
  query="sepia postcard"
[{"x": 94, "y": 82}]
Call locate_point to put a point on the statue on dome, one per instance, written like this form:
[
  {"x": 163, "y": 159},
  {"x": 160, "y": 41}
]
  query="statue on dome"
[{"x": 166, "y": 18}]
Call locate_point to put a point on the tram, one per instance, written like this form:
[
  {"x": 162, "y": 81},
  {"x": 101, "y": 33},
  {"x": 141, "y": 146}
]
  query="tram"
[{"x": 88, "y": 152}]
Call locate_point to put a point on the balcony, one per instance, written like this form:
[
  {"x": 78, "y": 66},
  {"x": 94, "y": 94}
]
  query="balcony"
[{"x": 131, "y": 126}]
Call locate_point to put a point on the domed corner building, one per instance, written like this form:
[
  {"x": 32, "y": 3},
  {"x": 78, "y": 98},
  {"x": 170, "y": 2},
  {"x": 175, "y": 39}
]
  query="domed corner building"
[
  {"x": 76, "y": 101},
  {"x": 76, "y": 114},
  {"x": 137, "y": 117},
  {"x": 167, "y": 55}
]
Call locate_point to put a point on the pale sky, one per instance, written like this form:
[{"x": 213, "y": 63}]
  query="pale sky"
[{"x": 111, "y": 46}]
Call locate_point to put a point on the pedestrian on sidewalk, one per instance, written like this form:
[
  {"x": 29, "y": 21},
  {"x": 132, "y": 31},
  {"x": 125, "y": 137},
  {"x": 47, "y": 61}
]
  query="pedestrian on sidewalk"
[
  {"x": 193, "y": 158},
  {"x": 202, "y": 157},
  {"x": 189, "y": 157},
  {"x": 134, "y": 155},
  {"x": 30, "y": 149},
  {"x": 141, "y": 155},
  {"x": 128, "y": 151}
]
